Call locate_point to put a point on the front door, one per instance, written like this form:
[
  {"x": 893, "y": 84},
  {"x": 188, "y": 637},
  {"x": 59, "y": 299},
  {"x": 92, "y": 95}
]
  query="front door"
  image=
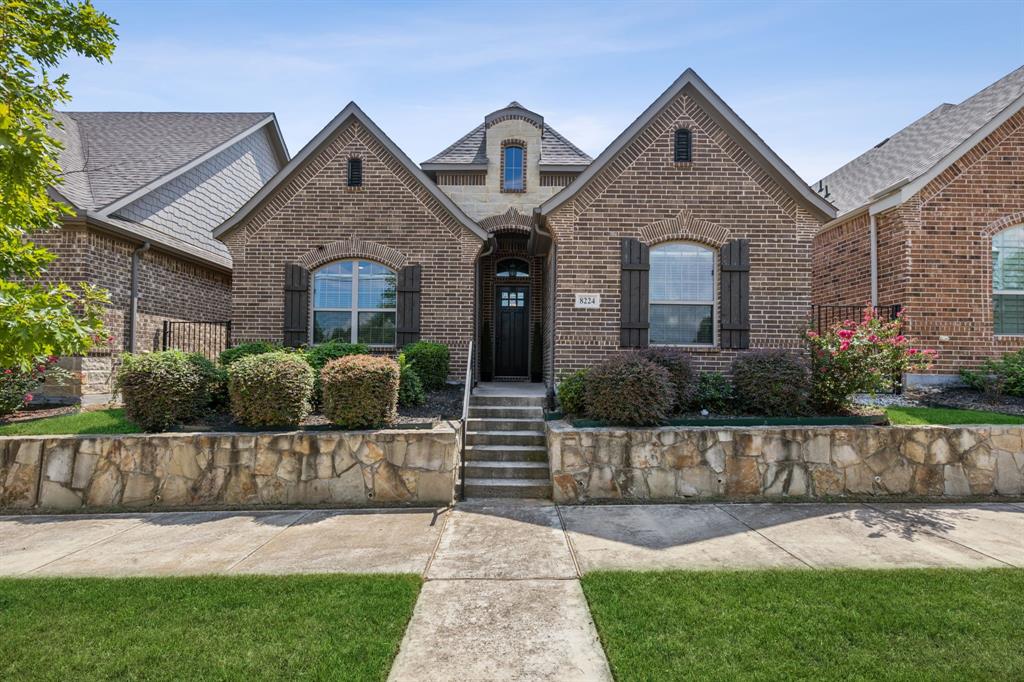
[{"x": 512, "y": 332}]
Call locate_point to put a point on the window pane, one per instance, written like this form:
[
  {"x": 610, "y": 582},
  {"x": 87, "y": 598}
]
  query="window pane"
[
  {"x": 332, "y": 286},
  {"x": 682, "y": 324},
  {"x": 682, "y": 272},
  {"x": 514, "y": 168},
  {"x": 377, "y": 328},
  {"x": 1009, "y": 314},
  {"x": 1008, "y": 259},
  {"x": 376, "y": 286},
  {"x": 513, "y": 269},
  {"x": 332, "y": 326}
]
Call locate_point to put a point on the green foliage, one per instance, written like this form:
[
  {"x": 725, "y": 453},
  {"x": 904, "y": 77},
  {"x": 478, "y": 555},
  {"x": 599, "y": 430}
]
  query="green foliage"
[
  {"x": 361, "y": 391},
  {"x": 431, "y": 362},
  {"x": 629, "y": 390},
  {"x": 572, "y": 393},
  {"x": 270, "y": 389},
  {"x": 947, "y": 416},
  {"x": 714, "y": 393},
  {"x": 774, "y": 383},
  {"x": 162, "y": 389},
  {"x": 1004, "y": 376},
  {"x": 680, "y": 369},
  {"x": 79, "y": 423},
  {"x": 215, "y": 379},
  {"x": 229, "y": 355},
  {"x": 410, "y": 386},
  {"x": 38, "y": 320},
  {"x": 319, "y": 355}
]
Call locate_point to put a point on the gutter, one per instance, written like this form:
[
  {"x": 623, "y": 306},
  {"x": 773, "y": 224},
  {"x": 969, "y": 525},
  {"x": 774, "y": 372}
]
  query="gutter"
[{"x": 134, "y": 323}]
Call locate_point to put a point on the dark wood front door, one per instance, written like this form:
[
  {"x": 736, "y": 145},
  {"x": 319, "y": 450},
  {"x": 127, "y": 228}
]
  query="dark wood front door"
[{"x": 512, "y": 331}]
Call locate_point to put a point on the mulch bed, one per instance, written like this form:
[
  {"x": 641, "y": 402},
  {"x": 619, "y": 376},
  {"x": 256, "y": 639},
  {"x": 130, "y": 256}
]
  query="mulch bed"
[
  {"x": 39, "y": 412},
  {"x": 969, "y": 399}
]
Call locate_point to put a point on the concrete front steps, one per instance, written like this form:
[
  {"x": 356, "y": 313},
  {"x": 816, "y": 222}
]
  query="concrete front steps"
[{"x": 506, "y": 452}]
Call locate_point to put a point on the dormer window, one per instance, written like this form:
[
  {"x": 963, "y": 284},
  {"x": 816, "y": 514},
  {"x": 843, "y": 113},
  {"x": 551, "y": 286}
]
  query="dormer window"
[
  {"x": 355, "y": 172},
  {"x": 683, "y": 149},
  {"x": 512, "y": 172}
]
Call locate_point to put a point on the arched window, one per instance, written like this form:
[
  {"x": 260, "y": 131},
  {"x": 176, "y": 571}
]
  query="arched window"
[
  {"x": 683, "y": 149},
  {"x": 513, "y": 268},
  {"x": 1008, "y": 281},
  {"x": 682, "y": 294},
  {"x": 513, "y": 179},
  {"x": 354, "y": 301}
]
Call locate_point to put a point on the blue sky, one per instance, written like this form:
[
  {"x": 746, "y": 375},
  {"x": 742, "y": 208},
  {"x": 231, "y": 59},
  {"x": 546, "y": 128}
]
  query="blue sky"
[{"x": 819, "y": 81}]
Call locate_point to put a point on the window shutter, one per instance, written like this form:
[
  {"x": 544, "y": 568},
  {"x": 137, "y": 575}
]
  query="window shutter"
[
  {"x": 296, "y": 305},
  {"x": 636, "y": 265},
  {"x": 683, "y": 152},
  {"x": 735, "y": 312},
  {"x": 408, "y": 322}
]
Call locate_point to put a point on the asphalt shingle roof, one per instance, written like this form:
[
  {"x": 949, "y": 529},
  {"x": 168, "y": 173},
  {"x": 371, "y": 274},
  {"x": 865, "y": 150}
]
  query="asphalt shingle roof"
[{"x": 913, "y": 150}]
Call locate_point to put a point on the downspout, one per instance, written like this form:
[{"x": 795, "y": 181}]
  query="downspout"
[
  {"x": 873, "y": 232},
  {"x": 133, "y": 324}
]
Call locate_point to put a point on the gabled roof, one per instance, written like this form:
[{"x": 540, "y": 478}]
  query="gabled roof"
[
  {"x": 471, "y": 148},
  {"x": 725, "y": 115},
  {"x": 110, "y": 160},
  {"x": 351, "y": 111},
  {"x": 915, "y": 150}
]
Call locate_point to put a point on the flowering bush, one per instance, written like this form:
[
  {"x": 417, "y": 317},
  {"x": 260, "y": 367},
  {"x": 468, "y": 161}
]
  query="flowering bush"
[
  {"x": 16, "y": 385},
  {"x": 861, "y": 357}
]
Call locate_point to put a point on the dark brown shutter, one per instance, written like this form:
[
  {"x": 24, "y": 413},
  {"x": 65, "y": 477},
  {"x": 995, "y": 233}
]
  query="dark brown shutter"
[
  {"x": 296, "y": 305},
  {"x": 636, "y": 266},
  {"x": 408, "y": 322},
  {"x": 735, "y": 313}
]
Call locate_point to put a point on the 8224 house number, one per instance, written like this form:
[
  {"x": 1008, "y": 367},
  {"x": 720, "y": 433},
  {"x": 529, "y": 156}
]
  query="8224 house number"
[{"x": 588, "y": 300}]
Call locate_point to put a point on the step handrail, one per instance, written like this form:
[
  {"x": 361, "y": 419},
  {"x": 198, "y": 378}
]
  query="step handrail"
[{"x": 466, "y": 391}]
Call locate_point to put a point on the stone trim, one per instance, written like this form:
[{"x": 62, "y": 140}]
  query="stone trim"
[
  {"x": 353, "y": 248},
  {"x": 685, "y": 227},
  {"x": 510, "y": 221},
  {"x": 997, "y": 226},
  {"x": 514, "y": 116},
  {"x": 501, "y": 177}
]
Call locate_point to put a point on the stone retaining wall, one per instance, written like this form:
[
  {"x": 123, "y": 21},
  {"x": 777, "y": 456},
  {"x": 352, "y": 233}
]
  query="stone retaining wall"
[
  {"x": 807, "y": 462},
  {"x": 245, "y": 469}
]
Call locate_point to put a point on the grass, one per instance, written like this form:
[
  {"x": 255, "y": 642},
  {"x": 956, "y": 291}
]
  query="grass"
[
  {"x": 810, "y": 625},
  {"x": 341, "y": 627},
  {"x": 942, "y": 415},
  {"x": 97, "y": 421}
]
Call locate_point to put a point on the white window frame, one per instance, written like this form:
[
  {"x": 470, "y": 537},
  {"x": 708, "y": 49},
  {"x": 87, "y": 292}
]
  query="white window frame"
[
  {"x": 713, "y": 301},
  {"x": 997, "y": 257},
  {"x": 354, "y": 310}
]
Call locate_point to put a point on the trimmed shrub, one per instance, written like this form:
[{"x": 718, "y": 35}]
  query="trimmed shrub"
[
  {"x": 1004, "y": 376},
  {"x": 714, "y": 392},
  {"x": 215, "y": 381},
  {"x": 361, "y": 391},
  {"x": 431, "y": 362},
  {"x": 319, "y": 355},
  {"x": 774, "y": 383},
  {"x": 16, "y": 385},
  {"x": 680, "y": 369},
  {"x": 163, "y": 388},
  {"x": 270, "y": 389},
  {"x": 629, "y": 390},
  {"x": 572, "y": 391},
  {"x": 229, "y": 355},
  {"x": 410, "y": 386}
]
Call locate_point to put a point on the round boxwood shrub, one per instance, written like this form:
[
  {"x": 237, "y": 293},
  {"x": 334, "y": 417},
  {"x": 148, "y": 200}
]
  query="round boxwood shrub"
[
  {"x": 270, "y": 389},
  {"x": 320, "y": 354},
  {"x": 431, "y": 362},
  {"x": 714, "y": 392},
  {"x": 775, "y": 383},
  {"x": 361, "y": 391},
  {"x": 163, "y": 388},
  {"x": 410, "y": 386},
  {"x": 680, "y": 370},
  {"x": 629, "y": 390},
  {"x": 229, "y": 355},
  {"x": 215, "y": 381},
  {"x": 571, "y": 392}
]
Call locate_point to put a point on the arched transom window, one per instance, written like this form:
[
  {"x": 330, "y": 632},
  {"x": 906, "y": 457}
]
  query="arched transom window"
[
  {"x": 513, "y": 268},
  {"x": 1008, "y": 281},
  {"x": 682, "y": 294},
  {"x": 355, "y": 301}
]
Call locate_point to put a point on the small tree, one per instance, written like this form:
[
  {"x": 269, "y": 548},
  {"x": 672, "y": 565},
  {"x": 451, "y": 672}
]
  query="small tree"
[{"x": 37, "y": 320}]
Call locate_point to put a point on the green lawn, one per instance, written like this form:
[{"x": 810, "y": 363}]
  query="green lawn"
[
  {"x": 97, "y": 421},
  {"x": 810, "y": 625},
  {"x": 210, "y": 628},
  {"x": 942, "y": 415}
]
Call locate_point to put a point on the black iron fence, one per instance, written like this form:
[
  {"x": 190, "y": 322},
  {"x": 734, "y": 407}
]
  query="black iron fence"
[
  {"x": 824, "y": 317},
  {"x": 208, "y": 338}
]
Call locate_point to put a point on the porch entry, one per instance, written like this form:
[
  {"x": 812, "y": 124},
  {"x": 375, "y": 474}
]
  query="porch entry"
[{"x": 512, "y": 331}]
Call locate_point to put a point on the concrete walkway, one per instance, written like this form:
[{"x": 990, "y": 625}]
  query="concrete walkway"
[{"x": 502, "y": 600}]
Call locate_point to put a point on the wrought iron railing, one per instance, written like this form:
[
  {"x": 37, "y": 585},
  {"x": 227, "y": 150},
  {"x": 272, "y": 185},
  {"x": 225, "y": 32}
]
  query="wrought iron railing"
[
  {"x": 824, "y": 317},
  {"x": 467, "y": 390},
  {"x": 207, "y": 338}
]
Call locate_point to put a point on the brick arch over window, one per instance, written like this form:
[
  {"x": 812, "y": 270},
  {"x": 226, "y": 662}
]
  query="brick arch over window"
[
  {"x": 353, "y": 248},
  {"x": 510, "y": 221},
  {"x": 685, "y": 227},
  {"x": 997, "y": 226},
  {"x": 505, "y": 144}
]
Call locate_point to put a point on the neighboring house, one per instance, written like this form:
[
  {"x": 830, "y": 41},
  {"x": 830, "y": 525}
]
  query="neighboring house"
[
  {"x": 932, "y": 219},
  {"x": 147, "y": 189},
  {"x": 686, "y": 231}
]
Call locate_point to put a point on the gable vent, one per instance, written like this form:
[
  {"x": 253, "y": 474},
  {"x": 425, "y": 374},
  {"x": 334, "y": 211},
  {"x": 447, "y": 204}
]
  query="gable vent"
[
  {"x": 683, "y": 151},
  {"x": 355, "y": 172}
]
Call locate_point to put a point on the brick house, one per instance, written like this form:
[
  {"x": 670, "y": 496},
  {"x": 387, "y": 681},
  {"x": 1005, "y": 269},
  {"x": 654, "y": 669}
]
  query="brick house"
[
  {"x": 686, "y": 231},
  {"x": 932, "y": 218},
  {"x": 146, "y": 190}
]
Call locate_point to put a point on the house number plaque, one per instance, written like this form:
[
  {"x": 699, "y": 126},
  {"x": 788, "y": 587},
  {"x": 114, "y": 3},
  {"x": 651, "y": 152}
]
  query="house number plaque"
[{"x": 588, "y": 300}]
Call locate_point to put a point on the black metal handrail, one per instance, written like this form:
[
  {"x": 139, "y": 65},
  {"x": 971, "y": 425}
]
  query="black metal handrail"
[
  {"x": 467, "y": 390},
  {"x": 824, "y": 317},
  {"x": 207, "y": 338}
]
